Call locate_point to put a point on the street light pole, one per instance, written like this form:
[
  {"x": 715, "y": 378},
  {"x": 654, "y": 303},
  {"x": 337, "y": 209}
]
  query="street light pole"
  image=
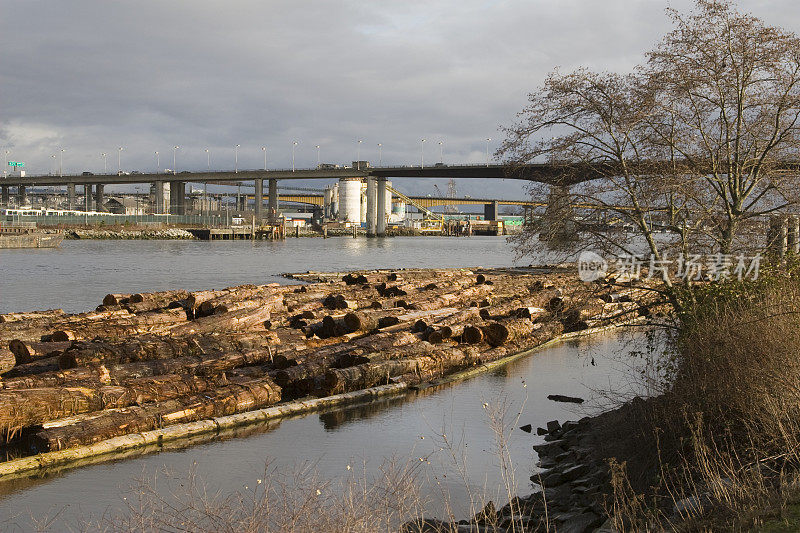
[
  {"x": 61, "y": 163},
  {"x": 105, "y": 162},
  {"x": 174, "y": 152},
  {"x": 317, "y": 157},
  {"x": 6, "y": 166},
  {"x": 441, "y": 152},
  {"x": 380, "y": 154},
  {"x": 158, "y": 164},
  {"x": 53, "y": 166},
  {"x": 423, "y": 154},
  {"x": 208, "y": 160},
  {"x": 119, "y": 161},
  {"x": 264, "y": 149},
  {"x": 488, "y": 140},
  {"x": 294, "y": 144},
  {"x": 236, "y": 159},
  {"x": 358, "y": 154}
]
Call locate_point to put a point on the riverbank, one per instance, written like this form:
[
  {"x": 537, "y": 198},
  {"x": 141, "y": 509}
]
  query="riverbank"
[{"x": 121, "y": 233}]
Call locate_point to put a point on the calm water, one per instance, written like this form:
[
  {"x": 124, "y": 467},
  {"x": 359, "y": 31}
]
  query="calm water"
[
  {"x": 406, "y": 428},
  {"x": 78, "y": 275}
]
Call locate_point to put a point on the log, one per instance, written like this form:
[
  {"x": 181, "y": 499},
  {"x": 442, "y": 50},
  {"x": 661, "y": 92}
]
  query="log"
[
  {"x": 241, "y": 320},
  {"x": 497, "y": 333},
  {"x": 155, "y": 347},
  {"x": 122, "y": 373},
  {"x": 31, "y": 315},
  {"x": 115, "y": 299},
  {"x": 27, "y": 352},
  {"x": 339, "y": 380},
  {"x": 227, "y": 400},
  {"x": 472, "y": 335}
]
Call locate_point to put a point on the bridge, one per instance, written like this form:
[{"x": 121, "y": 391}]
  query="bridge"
[{"x": 93, "y": 184}]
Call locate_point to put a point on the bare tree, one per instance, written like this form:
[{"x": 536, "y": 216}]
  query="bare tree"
[{"x": 694, "y": 143}]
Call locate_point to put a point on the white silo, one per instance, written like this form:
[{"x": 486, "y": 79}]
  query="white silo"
[
  {"x": 398, "y": 211},
  {"x": 335, "y": 201},
  {"x": 327, "y": 202},
  {"x": 350, "y": 200}
]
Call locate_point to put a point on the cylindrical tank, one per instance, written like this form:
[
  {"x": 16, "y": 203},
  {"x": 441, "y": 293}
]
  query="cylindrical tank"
[
  {"x": 335, "y": 201},
  {"x": 350, "y": 200},
  {"x": 327, "y": 200},
  {"x": 398, "y": 211}
]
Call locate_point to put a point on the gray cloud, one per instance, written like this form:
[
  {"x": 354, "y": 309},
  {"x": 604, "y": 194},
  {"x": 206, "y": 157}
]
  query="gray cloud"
[{"x": 92, "y": 75}]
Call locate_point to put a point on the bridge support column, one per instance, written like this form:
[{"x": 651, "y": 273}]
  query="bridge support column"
[
  {"x": 372, "y": 206},
  {"x": 177, "y": 197},
  {"x": 22, "y": 196},
  {"x": 273, "y": 200},
  {"x": 158, "y": 187},
  {"x": 98, "y": 197},
  {"x": 5, "y": 198},
  {"x": 71, "y": 196},
  {"x": 87, "y": 197},
  {"x": 380, "y": 228},
  {"x": 491, "y": 211},
  {"x": 258, "y": 198}
]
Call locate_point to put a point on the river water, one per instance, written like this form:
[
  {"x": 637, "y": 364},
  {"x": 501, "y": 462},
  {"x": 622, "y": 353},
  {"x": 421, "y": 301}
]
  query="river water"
[{"x": 338, "y": 442}]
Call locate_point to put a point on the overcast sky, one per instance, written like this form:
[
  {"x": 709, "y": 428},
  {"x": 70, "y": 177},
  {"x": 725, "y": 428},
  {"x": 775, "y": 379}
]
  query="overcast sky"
[{"x": 91, "y": 76}]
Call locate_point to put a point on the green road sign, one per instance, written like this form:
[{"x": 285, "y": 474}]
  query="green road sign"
[{"x": 16, "y": 163}]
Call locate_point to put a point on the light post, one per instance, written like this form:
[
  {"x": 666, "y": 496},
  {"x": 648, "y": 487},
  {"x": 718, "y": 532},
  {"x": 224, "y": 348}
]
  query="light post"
[
  {"x": 264, "y": 149},
  {"x": 236, "y": 159},
  {"x": 61, "y": 163},
  {"x": 441, "y": 152},
  {"x": 53, "y": 166},
  {"x": 358, "y": 154},
  {"x": 488, "y": 140},
  {"x": 317, "y": 157},
  {"x": 208, "y": 160},
  {"x": 119, "y": 161},
  {"x": 294, "y": 144},
  {"x": 380, "y": 154},
  {"x": 105, "y": 162},
  {"x": 158, "y": 164},
  {"x": 174, "y": 152},
  {"x": 5, "y": 171},
  {"x": 423, "y": 154}
]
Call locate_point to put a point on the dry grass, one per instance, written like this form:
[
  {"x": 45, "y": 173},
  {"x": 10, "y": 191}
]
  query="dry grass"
[{"x": 722, "y": 444}]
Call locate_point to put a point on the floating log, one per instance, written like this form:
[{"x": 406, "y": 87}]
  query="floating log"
[
  {"x": 115, "y": 299},
  {"x": 226, "y": 400}
]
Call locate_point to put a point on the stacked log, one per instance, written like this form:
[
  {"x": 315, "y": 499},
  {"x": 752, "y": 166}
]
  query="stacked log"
[{"x": 147, "y": 360}]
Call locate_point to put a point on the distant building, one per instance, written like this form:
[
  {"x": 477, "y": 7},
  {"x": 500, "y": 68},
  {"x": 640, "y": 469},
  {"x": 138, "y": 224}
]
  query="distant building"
[
  {"x": 204, "y": 204},
  {"x": 165, "y": 207},
  {"x": 361, "y": 165},
  {"x": 124, "y": 206}
]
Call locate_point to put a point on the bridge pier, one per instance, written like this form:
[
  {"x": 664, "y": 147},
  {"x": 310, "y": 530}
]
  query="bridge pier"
[
  {"x": 258, "y": 198},
  {"x": 372, "y": 206},
  {"x": 98, "y": 197},
  {"x": 177, "y": 197},
  {"x": 71, "y": 196},
  {"x": 5, "y": 198},
  {"x": 158, "y": 208},
  {"x": 22, "y": 196},
  {"x": 273, "y": 200},
  {"x": 380, "y": 229},
  {"x": 87, "y": 197},
  {"x": 491, "y": 211}
]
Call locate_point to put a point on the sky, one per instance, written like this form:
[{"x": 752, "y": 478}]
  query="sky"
[{"x": 90, "y": 76}]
